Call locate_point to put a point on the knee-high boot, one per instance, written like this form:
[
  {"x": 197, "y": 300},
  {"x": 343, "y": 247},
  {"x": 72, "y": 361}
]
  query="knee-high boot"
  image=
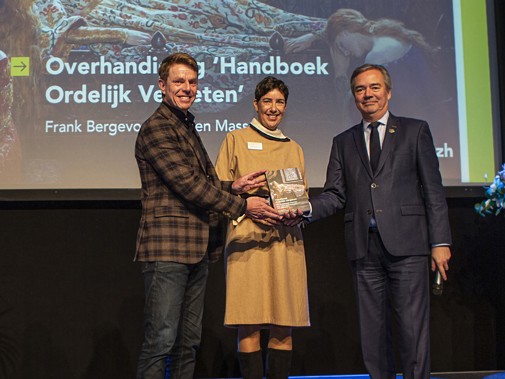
[
  {"x": 251, "y": 365},
  {"x": 278, "y": 363}
]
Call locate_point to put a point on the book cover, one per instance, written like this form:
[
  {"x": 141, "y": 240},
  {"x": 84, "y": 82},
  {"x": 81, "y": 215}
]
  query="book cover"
[{"x": 287, "y": 190}]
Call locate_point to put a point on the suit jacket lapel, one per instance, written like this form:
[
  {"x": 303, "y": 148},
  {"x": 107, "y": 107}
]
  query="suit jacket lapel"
[
  {"x": 188, "y": 136},
  {"x": 387, "y": 145},
  {"x": 204, "y": 160},
  {"x": 359, "y": 139},
  {"x": 197, "y": 146},
  {"x": 389, "y": 141}
]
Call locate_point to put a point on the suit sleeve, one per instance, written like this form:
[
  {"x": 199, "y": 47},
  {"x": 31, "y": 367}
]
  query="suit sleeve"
[
  {"x": 433, "y": 190},
  {"x": 226, "y": 161},
  {"x": 176, "y": 164},
  {"x": 333, "y": 196}
]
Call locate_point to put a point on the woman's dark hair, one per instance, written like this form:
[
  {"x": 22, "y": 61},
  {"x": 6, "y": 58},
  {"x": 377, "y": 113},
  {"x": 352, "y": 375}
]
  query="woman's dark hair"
[{"x": 269, "y": 84}]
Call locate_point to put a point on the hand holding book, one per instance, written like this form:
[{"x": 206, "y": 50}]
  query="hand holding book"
[{"x": 287, "y": 191}]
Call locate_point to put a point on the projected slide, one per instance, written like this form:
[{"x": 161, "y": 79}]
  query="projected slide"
[{"x": 78, "y": 78}]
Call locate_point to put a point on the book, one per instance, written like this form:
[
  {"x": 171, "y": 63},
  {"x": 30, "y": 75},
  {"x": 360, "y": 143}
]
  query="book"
[{"x": 287, "y": 190}]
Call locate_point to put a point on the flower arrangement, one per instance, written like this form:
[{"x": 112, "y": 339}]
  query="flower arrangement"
[{"x": 495, "y": 196}]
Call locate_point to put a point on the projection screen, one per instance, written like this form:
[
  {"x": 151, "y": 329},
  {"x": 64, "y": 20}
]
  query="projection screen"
[{"x": 78, "y": 78}]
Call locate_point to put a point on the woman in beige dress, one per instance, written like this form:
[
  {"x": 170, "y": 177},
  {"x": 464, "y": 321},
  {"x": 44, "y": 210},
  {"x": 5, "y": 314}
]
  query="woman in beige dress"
[{"x": 266, "y": 281}]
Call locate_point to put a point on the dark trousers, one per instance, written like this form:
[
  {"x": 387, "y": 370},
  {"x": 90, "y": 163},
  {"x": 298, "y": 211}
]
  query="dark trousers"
[
  {"x": 388, "y": 286},
  {"x": 172, "y": 319}
]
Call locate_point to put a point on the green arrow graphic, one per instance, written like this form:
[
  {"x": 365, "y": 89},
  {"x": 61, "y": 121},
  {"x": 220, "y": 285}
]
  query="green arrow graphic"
[{"x": 20, "y": 66}]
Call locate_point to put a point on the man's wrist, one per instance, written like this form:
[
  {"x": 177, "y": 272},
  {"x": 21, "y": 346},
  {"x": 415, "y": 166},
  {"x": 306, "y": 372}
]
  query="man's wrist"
[{"x": 244, "y": 208}]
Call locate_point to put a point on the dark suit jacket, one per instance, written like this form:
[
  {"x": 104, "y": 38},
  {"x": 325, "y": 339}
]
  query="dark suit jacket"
[
  {"x": 182, "y": 197},
  {"x": 406, "y": 192}
]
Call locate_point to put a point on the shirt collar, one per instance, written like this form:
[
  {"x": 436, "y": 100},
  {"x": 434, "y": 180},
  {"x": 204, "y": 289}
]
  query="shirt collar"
[
  {"x": 187, "y": 118},
  {"x": 276, "y": 134},
  {"x": 383, "y": 120}
]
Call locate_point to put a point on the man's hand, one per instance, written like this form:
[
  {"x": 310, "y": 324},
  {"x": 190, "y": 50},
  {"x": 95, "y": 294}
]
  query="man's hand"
[
  {"x": 248, "y": 182},
  {"x": 259, "y": 210},
  {"x": 292, "y": 218},
  {"x": 440, "y": 256}
]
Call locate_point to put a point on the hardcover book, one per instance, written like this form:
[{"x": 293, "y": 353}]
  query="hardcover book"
[{"x": 287, "y": 190}]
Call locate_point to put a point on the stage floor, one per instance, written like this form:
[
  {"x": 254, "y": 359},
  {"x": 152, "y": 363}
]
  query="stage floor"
[{"x": 435, "y": 375}]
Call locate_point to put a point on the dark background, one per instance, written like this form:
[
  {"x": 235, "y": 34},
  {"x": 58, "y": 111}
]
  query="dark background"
[{"x": 67, "y": 271}]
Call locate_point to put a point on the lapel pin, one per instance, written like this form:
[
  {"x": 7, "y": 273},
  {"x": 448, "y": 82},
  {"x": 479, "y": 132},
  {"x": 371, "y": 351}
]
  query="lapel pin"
[{"x": 391, "y": 130}]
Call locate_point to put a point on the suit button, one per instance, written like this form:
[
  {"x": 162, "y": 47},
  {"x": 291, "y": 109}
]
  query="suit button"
[
  {"x": 374, "y": 185},
  {"x": 369, "y": 211}
]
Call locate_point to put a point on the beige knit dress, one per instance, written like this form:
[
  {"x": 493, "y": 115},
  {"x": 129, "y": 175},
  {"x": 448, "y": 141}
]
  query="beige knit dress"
[{"x": 266, "y": 280}]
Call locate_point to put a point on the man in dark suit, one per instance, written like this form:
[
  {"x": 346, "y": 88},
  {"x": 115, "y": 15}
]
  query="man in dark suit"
[
  {"x": 179, "y": 233},
  {"x": 384, "y": 172}
]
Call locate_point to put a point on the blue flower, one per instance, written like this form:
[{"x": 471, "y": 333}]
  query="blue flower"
[{"x": 495, "y": 196}]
